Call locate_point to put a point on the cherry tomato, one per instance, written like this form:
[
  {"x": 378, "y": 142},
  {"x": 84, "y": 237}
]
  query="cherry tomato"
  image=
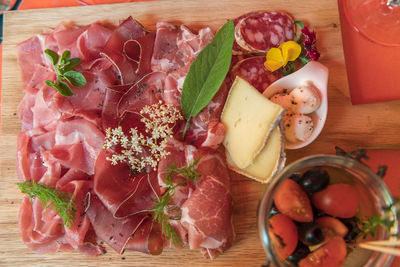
[
  {"x": 338, "y": 200},
  {"x": 332, "y": 254},
  {"x": 283, "y": 233},
  {"x": 332, "y": 227},
  {"x": 291, "y": 200}
]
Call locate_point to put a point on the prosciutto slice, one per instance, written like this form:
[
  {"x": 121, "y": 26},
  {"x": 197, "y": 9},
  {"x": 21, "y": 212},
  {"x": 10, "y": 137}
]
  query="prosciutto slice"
[{"x": 61, "y": 143}]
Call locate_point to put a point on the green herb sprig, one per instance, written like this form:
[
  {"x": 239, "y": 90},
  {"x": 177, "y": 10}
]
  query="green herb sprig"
[
  {"x": 371, "y": 223},
  {"x": 162, "y": 205},
  {"x": 61, "y": 202},
  {"x": 207, "y": 73},
  {"x": 65, "y": 75}
]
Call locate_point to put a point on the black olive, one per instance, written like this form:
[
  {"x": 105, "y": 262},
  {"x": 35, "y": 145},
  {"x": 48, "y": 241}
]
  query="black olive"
[
  {"x": 295, "y": 177},
  {"x": 314, "y": 180},
  {"x": 311, "y": 234},
  {"x": 352, "y": 226},
  {"x": 300, "y": 252},
  {"x": 317, "y": 213}
]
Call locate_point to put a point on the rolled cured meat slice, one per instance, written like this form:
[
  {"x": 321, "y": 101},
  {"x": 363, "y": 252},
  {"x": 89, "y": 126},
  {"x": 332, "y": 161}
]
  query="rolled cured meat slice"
[
  {"x": 260, "y": 31},
  {"x": 252, "y": 70}
]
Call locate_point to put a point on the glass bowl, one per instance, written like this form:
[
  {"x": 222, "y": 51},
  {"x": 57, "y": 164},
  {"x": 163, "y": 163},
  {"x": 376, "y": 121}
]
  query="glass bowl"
[{"x": 373, "y": 194}]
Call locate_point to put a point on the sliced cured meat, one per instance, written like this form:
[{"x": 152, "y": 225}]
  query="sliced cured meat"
[
  {"x": 41, "y": 230},
  {"x": 165, "y": 48},
  {"x": 135, "y": 194},
  {"x": 147, "y": 91},
  {"x": 25, "y": 112},
  {"x": 260, "y": 31},
  {"x": 30, "y": 55},
  {"x": 77, "y": 144},
  {"x": 199, "y": 128},
  {"x": 236, "y": 49},
  {"x": 115, "y": 232},
  {"x": 77, "y": 234},
  {"x": 147, "y": 238},
  {"x": 173, "y": 86},
  {"x": 207, "y": 215},
  {"x": 140, "y": 50},
  {"x": 215, "y": 135},
  {"x": 179, "y": 157},
  {"x": 66, "y": 36},
  {"x": 91, "y": 42},
  {"x": 253, "y": 71},
  {"x": 33, "y": 159},
  {"x": 61, "y": 145},
  {"x": 126, "y": 30},
  {"x": 176, "y": 47}
]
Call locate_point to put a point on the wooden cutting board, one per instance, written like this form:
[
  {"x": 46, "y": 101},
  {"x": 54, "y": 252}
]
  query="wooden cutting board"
[{"x": 347, "y": 126}]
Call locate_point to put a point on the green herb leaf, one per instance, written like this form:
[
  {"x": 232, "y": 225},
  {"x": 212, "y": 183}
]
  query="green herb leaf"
[
  {"x": 61, "y": 202},
  {"x": 63, "y": 68},
  {"x": 72, "y": 63},
  {"x": 50, "y": 83},
  {"x": 207, "y": 73},
  {"x": 162, "y": 206},
  {"x": 301, "y": 24},
  {"x": 63, "y": 88},
  {"x": 65, "y": 56},
  {"x": 52, "y": 56},
  {"x": 304, "y": 60},
  {"x": 288, "y": 69},
  {"x": 370, "y": 224},
  {"x": 75, "y": 78}
]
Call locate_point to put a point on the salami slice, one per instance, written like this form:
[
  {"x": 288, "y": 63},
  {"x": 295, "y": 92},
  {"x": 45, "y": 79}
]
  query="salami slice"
[
  {"x": 252, "y": 70},
  {"x": 260, "y": 31},
  {"x": 236, "y": 49}
]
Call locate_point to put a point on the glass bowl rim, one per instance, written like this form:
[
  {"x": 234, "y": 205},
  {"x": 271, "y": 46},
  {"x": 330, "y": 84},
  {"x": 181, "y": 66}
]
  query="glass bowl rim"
[{"x": 275, "y": 182}]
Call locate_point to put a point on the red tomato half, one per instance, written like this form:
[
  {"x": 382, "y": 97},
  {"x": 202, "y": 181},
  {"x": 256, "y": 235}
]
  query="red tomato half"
[
  {"x": 291, "y": 200},
  {"x": 338, "y": 200},
  {"x": 283, "y": 233},
  {"x": 332, "y": 254},
  {"x": 332, "y": 227}
]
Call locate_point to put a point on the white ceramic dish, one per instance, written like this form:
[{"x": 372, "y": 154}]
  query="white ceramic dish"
[{"x": 318, "y": 74}]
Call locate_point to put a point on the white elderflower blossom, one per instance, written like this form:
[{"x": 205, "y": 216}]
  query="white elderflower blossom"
[{"x": 138, "y": 150}]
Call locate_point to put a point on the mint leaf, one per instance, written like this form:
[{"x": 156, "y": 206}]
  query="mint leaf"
[
  {"x": 63, "y": 88},
  {"x": 73, "y": 62},
  {"x": 75, "y": 78},
  {"x": 52, "y": 56},
  {"x": 207, "y": 73}
]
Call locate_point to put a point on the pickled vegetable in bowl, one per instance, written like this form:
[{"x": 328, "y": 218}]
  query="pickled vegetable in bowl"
[{"x": 312, "y": 210}]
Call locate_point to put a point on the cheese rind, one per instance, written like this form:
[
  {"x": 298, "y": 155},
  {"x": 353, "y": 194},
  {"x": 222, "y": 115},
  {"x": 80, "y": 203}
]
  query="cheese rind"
[
  {"x": 249, "y": 118},
  {"x": 268, "y": 162}
]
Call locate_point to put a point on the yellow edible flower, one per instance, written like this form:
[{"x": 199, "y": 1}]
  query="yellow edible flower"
[{"x": 279, "y": 57}]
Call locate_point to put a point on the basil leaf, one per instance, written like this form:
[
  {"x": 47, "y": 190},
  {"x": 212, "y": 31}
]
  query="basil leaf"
[
  {"x": 75, "y": 78},
  {"x": 73, "y": 62},
  {"x": 52, "y": 56},
  {"x": 63, "y": 88},
  {"x": 207, "y": 73}
]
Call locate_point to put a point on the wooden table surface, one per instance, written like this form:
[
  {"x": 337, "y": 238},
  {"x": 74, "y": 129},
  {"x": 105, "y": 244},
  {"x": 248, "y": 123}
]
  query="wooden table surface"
[{"x": 347, "y": 126}]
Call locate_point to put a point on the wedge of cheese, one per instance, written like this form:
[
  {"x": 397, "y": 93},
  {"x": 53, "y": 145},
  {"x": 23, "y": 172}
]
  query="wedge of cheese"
[
  {"x": 268, "y": 162},
  {"x": 249, "y": 118}
]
